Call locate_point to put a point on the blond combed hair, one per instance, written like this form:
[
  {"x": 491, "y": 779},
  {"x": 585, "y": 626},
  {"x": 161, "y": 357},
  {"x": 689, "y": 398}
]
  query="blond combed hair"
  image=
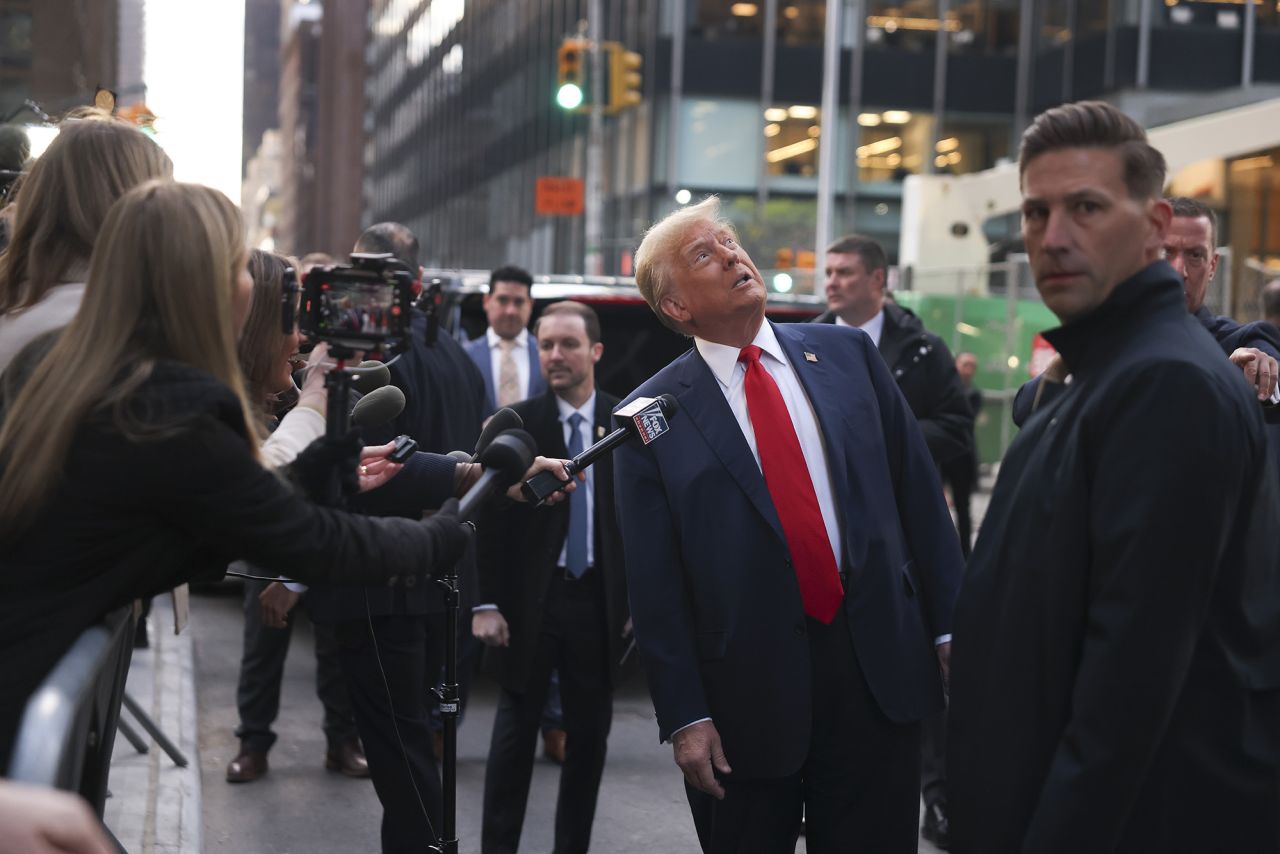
[
  {"x": 659, "y": 252},
  {"x": 64, "y": 200},
  {"x": 161, "y": 283}
]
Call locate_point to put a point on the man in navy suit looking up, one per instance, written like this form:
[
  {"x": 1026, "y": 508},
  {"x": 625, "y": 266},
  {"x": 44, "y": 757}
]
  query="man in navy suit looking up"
[{"x": 791, "y": 563}]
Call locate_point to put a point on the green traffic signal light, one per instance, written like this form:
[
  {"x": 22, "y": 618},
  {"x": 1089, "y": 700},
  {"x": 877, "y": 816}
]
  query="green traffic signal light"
[{"x": 569, "y": 96}]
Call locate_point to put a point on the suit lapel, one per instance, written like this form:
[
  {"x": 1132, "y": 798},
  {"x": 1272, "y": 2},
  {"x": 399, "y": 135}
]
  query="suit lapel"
[
  {"x": 704, "y": 403},
  {"x": 480, "y": 355}
]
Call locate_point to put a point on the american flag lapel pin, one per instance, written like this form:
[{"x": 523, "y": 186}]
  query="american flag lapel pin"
[{"x": 810, "y": 357}]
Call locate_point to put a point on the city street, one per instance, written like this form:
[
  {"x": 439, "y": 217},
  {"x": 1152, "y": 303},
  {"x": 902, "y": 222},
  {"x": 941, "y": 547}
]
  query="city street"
[{"x": 299, "y": 807}]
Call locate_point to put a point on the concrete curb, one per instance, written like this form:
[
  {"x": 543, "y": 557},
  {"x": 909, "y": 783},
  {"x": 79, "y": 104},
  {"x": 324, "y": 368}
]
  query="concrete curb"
[{"x": 155, "y": 805}]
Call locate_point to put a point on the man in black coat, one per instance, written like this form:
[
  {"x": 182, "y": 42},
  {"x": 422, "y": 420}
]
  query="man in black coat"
[
  {"x": 920, "y": 362},
  {"x": 1116, "y": 678},
  {"x": 926, "y": 374},
  {"x": 391, "y": 635},
  {"x": 1190, "y": 248},
  {"x": 554, "y": 597}
]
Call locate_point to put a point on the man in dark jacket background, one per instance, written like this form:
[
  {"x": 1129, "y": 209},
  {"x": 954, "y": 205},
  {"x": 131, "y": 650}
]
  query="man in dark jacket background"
[
  {"x": 926, "y": 374},
  {"x": 1116, "y": 682},
  {"x": 920, "y": 362}
]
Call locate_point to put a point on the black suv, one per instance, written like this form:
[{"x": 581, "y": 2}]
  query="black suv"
[{"x": 636, "y": 345}]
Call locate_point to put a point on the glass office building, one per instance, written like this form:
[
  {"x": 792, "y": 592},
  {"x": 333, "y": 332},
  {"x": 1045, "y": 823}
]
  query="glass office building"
[{"x": 464, "y": 121}]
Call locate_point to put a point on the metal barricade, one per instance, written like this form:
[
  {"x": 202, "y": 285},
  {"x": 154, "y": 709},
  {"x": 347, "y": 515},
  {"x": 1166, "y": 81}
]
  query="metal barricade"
[{"x": 69, "y": 725}]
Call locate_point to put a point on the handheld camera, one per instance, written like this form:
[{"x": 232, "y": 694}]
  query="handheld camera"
[{"x": 364, "y": 306}]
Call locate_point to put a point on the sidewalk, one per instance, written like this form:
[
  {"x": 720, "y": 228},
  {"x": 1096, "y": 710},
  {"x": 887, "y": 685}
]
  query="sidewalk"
[{"x": 154, "y": 805}]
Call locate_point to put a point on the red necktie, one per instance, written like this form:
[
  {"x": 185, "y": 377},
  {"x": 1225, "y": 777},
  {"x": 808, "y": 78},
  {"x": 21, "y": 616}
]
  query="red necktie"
[{"x": 787, "y": 476}]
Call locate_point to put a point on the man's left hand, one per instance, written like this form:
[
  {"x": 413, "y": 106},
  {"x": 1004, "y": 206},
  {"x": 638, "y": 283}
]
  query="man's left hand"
[
  {"x": 1259, "y": 369},
  {"x": 275, "y": 602}
]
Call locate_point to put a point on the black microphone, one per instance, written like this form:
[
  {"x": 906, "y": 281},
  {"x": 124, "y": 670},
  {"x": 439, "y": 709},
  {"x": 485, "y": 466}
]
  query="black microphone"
[
  {"x": 503, "y": 420},
  {"x": 505, "y": 460},
  {"x": 645, "y": 417},
  {"x": 378, "y": 407}
]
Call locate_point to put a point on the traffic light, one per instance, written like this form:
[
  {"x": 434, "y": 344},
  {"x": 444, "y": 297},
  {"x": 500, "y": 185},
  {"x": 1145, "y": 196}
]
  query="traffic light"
[
  {"x": 571, "y": 80},
  {"x": 624, "y": 77}
]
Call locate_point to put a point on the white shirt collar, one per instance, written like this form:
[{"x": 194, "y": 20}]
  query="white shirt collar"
[
  {"x": 587, "y": 410},
  {"x": 872, "y": 327},
  {"x": 522, "y": 340},
  {"x": 723, "y": 359}
]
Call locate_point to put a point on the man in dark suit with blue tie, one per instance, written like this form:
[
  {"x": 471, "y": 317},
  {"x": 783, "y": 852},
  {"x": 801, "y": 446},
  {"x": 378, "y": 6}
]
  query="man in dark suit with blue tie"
[
  {"x": 791, "y": 562},
  {"x": 554, "y": 596},
  {"x": 506, "y": 354}
]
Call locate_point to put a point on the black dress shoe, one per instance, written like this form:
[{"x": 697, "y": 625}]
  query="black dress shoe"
[
  {"x": 936, "y": 828},
  {"x": 347, "y": 758},
  {"x": 247, "y": 767}
]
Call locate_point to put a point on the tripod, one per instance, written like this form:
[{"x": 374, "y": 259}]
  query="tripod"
[{"x": 338, "y": 383}]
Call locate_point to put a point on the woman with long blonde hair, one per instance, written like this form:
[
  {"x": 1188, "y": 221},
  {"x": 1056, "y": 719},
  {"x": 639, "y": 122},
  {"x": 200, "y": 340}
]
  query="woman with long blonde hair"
[
  {"x": 128, "y": 458},
  {"x": 64, "y": 199}
]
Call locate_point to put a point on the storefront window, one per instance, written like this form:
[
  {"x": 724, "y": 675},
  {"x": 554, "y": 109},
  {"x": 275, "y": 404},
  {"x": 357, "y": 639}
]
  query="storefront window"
[
  {"x": 719, "y": 143},
  {"x": 893, "y": 144},
  {"x": 801, "y": 22},
  {"x": 791, "y": 136},
  {"x": 983, "y": 26},
  {"x": 970, "y": 146},
  {"x": 726, "y": 19},
  {"x": 909, "y": 25}
]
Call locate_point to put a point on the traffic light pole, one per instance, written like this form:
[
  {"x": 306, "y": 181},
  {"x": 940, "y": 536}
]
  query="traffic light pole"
[{"x": 593, "y": 262}]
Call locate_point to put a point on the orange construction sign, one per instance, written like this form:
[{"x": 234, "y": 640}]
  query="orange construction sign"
[{"x": 558, "y": 196}]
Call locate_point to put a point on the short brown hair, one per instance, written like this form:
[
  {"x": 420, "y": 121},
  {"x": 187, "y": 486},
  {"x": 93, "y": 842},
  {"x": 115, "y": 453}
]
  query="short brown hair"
[
  {"x": 870, "y": 251},
  {"x": 1189, "y": 208},
  {"x": 578, "y": 309},
  {"x": 1097, "y": 124}
]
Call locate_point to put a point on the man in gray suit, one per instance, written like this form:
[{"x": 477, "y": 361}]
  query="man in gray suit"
[{"x": 506, "y": 354}]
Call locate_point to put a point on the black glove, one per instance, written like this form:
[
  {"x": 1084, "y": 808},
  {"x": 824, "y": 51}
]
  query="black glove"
[
  {"x": 325, "y": 471},
  {"x": 450, "y": 534}
]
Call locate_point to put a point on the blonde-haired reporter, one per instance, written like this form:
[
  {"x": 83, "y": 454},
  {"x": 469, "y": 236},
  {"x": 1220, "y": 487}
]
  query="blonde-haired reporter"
[
  {"x": 63, "y": 200},
  {"x": 129, "y": 458}
]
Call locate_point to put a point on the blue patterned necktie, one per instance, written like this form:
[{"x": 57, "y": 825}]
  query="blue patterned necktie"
[{"x": 575, "y": 559}]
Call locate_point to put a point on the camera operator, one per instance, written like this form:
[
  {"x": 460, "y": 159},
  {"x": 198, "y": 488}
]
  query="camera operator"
[
  {"x": 65, "y": 198},
  {"x": 397, "y": 628},
  {"x": 128, "y": 458}
]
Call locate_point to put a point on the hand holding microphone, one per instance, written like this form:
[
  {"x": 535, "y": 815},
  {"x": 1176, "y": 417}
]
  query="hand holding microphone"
[
  {"x": 503, "y": 420},
  {"x": 645, "y": 418}
]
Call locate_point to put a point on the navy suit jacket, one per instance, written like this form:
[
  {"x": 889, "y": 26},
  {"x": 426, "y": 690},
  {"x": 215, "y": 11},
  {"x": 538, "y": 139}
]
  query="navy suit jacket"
[
  {"x": 716, "y": 606},
  {"x": 478, "y": 350}
]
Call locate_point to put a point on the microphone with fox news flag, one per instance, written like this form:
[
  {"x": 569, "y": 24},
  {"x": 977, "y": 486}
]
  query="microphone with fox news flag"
[{"x": 645, "y": 417}]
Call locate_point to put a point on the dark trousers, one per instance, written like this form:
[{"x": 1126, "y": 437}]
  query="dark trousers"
[
  {"x": 573, "y": 639},
  {"x": 384, "y": 660},
  {"x": 262, "y": 669},
  {"x": 859, "y": 787},
  {"x": 962, "y": 474}
]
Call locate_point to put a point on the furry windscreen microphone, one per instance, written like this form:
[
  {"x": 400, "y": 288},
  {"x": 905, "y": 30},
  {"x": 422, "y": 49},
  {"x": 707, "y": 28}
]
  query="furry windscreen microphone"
[
  {"x": 378, "y": 407},
  {"x": 369, "y": 375}
]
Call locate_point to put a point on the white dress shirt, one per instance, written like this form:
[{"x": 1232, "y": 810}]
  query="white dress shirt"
[
  {"x": 588, "y": 489},
  {"x": 731, "y": 375},
  {"x": 872, "y": 327},
  {"x": 587, "y": 411},
  {"x": 520, "y": 352}
]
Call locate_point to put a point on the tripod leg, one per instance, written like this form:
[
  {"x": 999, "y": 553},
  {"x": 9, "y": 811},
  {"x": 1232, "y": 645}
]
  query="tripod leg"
[
  {"x": 131, "y": 735},
  {"x": 155, "y": 732}
]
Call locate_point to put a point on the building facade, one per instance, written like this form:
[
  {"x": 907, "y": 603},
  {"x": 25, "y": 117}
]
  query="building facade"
[{"x": 463, "y": 120}]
